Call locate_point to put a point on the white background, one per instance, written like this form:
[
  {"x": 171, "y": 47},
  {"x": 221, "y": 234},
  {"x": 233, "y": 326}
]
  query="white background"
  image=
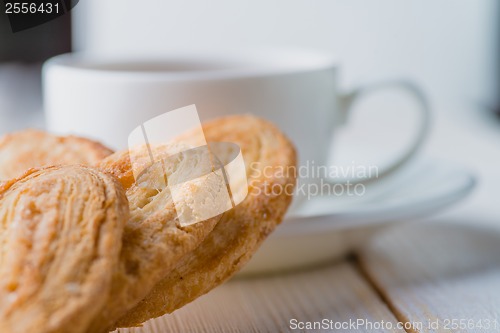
[{"x": 450, "y": 47}]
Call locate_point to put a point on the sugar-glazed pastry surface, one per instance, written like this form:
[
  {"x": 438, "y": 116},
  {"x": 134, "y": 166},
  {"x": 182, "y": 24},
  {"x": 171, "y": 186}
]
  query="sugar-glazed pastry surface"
[
  {"x": 270, "y": 165},
  {"x": 60, "y": 239},
  {"x": 154, "y": 241},
  {"x": 27, "y": 149}
]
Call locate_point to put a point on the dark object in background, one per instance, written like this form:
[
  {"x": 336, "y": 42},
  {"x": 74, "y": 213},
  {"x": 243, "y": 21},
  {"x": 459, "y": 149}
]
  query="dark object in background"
[
  {"x": 37, "y": 44},
  {"x": 21, "y": 57},
  {"x": 32, "y": 13}
]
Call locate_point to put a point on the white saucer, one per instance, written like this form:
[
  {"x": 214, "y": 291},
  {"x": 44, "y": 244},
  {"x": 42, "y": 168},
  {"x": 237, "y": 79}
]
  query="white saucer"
[{"x": 329, "y": 227}]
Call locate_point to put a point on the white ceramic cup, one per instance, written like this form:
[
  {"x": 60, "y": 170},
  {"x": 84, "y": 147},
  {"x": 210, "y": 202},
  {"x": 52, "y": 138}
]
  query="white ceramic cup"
[{"x": 297, "y": 90}]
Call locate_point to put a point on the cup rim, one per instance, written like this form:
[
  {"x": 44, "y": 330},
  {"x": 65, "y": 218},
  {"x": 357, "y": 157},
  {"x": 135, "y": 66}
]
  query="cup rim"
[{"x": 206, "y": 64}]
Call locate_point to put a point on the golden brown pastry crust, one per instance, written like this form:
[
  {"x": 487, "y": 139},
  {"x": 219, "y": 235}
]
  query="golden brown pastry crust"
[
  {"x": 60, "y": 238},
  {"x": 153, "y": 240},
  {"x": 239, "y": 233},
  {"x": 31, "y": 148}
]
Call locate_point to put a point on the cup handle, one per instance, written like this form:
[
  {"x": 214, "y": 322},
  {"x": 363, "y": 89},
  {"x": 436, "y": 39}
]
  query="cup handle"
[{"x": 349, "y": 99}]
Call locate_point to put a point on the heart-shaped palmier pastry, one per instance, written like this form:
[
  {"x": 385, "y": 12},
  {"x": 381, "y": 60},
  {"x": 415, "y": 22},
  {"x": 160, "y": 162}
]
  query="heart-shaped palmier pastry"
[
  {"x": 30, "y": 148},
  {"x": 270, "y": 162},
  {"x": 60, "y": 240}
]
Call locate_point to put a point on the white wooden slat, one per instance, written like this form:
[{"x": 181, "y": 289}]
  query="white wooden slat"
[
  {"x": 444, "y": 274},
  {"x": 267, "y": 304}
]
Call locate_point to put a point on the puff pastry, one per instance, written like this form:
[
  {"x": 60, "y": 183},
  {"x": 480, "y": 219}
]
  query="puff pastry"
[
  {"x": 60, "y": 238},
  {"x": 153, "y": 241},
  {"x": 270, "y": 161},
  {"x": 85, "y": 251},
  {"x": 33, "y": 148}
]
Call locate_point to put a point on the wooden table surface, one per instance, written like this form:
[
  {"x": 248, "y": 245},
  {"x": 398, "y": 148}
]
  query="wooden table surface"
[{"x": 413, "y": 278}]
